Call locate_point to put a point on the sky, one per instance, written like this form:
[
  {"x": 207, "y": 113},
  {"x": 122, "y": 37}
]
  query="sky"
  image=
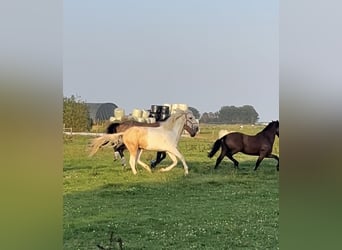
[{"x": 206, "y": 54}]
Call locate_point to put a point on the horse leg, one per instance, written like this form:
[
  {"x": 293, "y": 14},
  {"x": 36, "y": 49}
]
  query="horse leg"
[
  {"x": 261, "y": 157},
  {"x": 123, "y": 160},
  {"x": 160, "y": 156},
  {"x": 230, "y": 156},
  {"x": 132, "y": 161},
  {"x": 175, "y": 152},
  {"x": 147, "y": 167},
  {"x": 221, "y": 156},
  {"x": 116, "y": 154},
  {"x": 174, "y": 163},
  {"x": 153, "y": 162},
  {"x": 274, "y": 157}
]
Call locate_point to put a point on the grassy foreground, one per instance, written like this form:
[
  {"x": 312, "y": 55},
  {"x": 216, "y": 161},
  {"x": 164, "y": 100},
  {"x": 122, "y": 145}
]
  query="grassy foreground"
[{"x": 222, "y": 209}]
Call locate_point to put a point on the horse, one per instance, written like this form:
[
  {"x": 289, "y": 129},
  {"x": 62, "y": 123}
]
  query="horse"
[
  {"x": 260, "y": 145},
  {"x": 120, "y": 127},
  {"x": 162, "y": 138}
]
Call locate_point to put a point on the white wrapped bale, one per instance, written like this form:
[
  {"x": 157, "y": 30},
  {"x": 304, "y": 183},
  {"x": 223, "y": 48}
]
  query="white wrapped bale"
[
  {"x": 145, "y": 114},
  {"x": 119, "y": 113},
  {"x": 137, "y": 113}
]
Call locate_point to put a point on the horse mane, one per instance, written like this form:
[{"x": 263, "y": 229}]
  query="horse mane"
[
  {"x": 270, "y": 125},
  {"x": 111, "y": 128},
  {"x": 168, "y": 124}
]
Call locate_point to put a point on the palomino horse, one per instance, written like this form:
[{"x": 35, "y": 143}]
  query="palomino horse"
[
  {"x": 162, "y": 138},
  {"x": 260, "y": 144},
  {"x": 121, "y": 127}
]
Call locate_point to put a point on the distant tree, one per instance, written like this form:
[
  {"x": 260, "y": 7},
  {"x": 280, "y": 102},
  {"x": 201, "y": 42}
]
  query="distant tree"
[
  {"x": 205, "y": 118},
  {"x": 249, "y": 114},
  {"x": 209, "y": 117},
  {"x": 76, "y": 114},
  {"x": 231, "y": 114},
  {"x": 195, "y": 112},
  {"x": 228, "y": 114}
]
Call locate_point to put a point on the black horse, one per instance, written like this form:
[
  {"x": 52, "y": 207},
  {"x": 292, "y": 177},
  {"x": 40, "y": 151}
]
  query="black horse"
[
  {"x": 121, "y": 127},
  {"x": 260, "y": 145}
]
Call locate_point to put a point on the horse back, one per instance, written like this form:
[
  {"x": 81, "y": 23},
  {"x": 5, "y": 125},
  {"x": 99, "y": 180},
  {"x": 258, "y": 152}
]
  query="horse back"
[
  {"x": 121, "y": 127},
  {"x": 256, "y": 144},
  {"x": 239, "y": 142},
  {"x": 148, "y": 138},
  {"x": 135, "y": 137},
  {"x": 234, "y": 140}
]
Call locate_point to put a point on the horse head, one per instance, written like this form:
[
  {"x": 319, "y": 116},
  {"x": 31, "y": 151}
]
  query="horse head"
[
  {"x": 185, "y": 119},
  {"x": 191, "y": 124}
]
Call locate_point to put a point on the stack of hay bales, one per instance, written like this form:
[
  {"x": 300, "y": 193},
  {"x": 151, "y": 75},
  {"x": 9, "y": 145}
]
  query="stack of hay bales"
[
  {"x": 119, "y": 115},
  {"x": 137, "y": 115},
  {"x": 140, "y": 115},
  {"x": 156, "y": 113},
  {"x": 160, "y": 112},
  {"x": 181, "y": 106}
]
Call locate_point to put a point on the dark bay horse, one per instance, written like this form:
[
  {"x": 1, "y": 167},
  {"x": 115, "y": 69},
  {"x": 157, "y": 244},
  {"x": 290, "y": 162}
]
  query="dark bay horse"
[{"x": 260, "y": 145}]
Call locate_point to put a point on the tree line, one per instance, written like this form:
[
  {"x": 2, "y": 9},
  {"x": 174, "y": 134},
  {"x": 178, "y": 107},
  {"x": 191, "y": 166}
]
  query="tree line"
[
  {"x": 231, "y": 115},
  {"x": 76, "y": 114}
]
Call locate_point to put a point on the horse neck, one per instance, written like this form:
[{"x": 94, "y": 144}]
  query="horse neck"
[
  {"x": 176, "y": 124},
  {"x": 269, "y": 133},
  {"x": 178, "y": 128}
]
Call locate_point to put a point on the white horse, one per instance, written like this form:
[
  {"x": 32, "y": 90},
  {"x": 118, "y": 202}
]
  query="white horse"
[{"x": 162, "y": 138}]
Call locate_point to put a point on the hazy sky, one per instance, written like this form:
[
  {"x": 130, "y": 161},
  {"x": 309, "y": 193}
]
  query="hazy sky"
[{"x": 207, "y": 54}]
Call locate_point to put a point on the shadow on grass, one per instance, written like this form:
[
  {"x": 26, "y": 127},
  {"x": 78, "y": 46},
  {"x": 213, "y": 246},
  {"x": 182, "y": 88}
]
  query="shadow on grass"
[{"x": 88, "y": 166}]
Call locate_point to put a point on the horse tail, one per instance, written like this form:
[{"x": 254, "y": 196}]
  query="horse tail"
[
  {"x": 215, "y": 147},
  {"x": 113, "y": 140},
  {"x": 111, "y": 129}
]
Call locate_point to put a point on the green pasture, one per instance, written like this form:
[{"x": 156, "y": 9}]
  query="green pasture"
[{"x": 208, "y": 209}]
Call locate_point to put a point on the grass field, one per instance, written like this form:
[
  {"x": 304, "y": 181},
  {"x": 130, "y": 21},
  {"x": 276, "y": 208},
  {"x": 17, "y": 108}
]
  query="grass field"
[{"x": 221, "y": 209}]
